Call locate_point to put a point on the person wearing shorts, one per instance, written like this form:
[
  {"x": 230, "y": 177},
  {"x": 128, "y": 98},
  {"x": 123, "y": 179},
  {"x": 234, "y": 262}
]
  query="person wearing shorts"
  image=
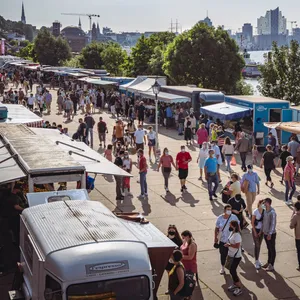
[
  {"x": 182, "y": 165},
  {"x": 140, "y": 138},
  {"x": 102, "y": 130}
]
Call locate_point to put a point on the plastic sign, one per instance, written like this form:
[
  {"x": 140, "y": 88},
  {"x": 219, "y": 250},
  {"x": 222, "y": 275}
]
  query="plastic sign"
[{"x": 261, "y": 108}]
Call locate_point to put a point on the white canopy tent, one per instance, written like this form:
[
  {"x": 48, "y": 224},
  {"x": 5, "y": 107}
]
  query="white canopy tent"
[
  {"x": 136, "y": 81},
  {"x": 146, "y": 85},
  {"x": 165, "y": 97}
]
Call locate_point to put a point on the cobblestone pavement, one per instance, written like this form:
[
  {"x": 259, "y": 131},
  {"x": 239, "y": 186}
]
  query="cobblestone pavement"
[{"x": 194, "y": 211}]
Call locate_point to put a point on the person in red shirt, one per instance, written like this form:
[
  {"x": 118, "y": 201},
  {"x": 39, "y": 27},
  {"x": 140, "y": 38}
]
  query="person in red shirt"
[
  {"x": 182, "y": 165},
  {"x": 143, "y": 172}
]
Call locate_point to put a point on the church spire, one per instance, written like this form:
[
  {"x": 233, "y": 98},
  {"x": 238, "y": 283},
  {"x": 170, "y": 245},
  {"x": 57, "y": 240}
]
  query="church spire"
[
  {"x": 23, "y": 18},
  {"x": 79, "y": 24}
]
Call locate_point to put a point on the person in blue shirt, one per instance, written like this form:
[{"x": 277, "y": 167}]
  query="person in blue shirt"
[
  {"x": 169, "y": 115},
  {"x": 253, "y": 188},
  {"x": 210, "y": 170}
]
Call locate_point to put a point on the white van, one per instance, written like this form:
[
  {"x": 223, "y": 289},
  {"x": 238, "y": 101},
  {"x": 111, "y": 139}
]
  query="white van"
[{"x": 75, "y": 250}]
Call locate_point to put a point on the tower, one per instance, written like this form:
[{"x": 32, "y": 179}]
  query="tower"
[
  {"x": 23, "y": 18},
  {"x": 94, "y": 32},
  {"x": 56, "y": 28},
  {"x": 79, "y": 23},
  {"x": 98, "y": 31}
]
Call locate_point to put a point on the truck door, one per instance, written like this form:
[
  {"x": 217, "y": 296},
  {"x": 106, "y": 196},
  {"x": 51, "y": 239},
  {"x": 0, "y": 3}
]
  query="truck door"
[
  {"x": 287, "y": 116},
  {"x": 48, "y": 197}
]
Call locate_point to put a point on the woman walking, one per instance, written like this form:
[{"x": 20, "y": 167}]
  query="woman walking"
[
  {"x": 166, "y": 161},
  {"x": 289, "y": 179},
  {"x": 202, "y": 135},
  {"x": 222, "y": 233},
  {"x": 268, "y": 161},
  {"x": 188, "y": 130},
  {"x": 189, "y": 251},
  {"x": 234, "y": 256},
  {"x": 203, "y": 155},
  {"x": 151, "y": 136},
  {"x": 256, "y": 221},
  {"x": 176, "y": 276},
  {"x": 228, "y": 151}
]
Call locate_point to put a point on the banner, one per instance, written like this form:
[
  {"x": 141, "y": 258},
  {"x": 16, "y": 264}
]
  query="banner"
[{"x": 2, "y": 46}]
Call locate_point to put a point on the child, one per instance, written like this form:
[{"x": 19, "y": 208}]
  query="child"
[
  {"x": 254, "y": 154},
  {"x": 127, "y": 139},
  {"x": 127, "y": 166},
  {"x": 108, "y": 152}
]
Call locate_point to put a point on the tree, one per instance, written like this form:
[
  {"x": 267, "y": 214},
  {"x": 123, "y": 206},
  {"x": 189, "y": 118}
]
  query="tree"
[
  {"x": 50, "y": 50},
  {"x": 147, "y": 55},
  {"x": 28, "y": 52},
  {"x": 28, "y": 31},
  {"x": 74, "y": 62},
  {"x": 204, "y": 56},
  {"x": 113, "y": 57},
  {"x": 281, "y": 73},
  {"x": 90, "y": 57}
]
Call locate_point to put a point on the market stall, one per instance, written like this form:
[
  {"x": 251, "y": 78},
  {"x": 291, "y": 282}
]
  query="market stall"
[
  {"x": 291, "y": 127},
  {"x": 264, "y": 110},
  {"x": 19, "y": 114}
]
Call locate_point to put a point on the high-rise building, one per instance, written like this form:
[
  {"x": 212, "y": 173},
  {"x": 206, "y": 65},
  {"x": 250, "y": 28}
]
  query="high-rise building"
[
  {"x": 207, "y": 21},
  {"x": 56, "y": 28},
  {"x": 23, "y": 18},
  {"x": 247, "y": 32},
  {"x": 273, "y": 23},
  {"x": 94, "y": 32}
]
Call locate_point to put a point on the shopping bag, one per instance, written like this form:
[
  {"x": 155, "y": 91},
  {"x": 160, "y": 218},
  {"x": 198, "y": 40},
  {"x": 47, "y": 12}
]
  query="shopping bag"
[{"x": 233, "y": 161}]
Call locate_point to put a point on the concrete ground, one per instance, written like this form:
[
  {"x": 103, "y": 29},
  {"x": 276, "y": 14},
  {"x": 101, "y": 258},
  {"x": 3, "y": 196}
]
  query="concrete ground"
[{"x": 194, "y": 211}]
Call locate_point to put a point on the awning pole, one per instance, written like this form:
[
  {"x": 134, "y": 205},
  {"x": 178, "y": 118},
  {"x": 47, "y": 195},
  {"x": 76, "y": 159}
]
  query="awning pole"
[
  {"x": 93, "y": 159},
  {"x": 83, "y": 180},
  {"x": 6, "y": 159},
  {"x": 59, "y": 142},
  {"x": 30, "y": 185}
]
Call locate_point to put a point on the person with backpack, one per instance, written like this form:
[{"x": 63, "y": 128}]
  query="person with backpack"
[
  {"x": 234, "y": 257},
  {"x": 256, "y": 221},
  {"x": 176, "y": 276}
]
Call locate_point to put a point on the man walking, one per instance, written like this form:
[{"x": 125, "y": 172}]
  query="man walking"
[
  {"x": 102, "y": 130},
  {"x": 269, "y": 231},
  {"x": 48, "y": 100},
  {"x": 143, "y": 174},
  {"x": 243, "y": 147},
  {"x": 90, "y": 122},
  {"x": 82, "y": 131},
  {"x": 74, "y": 99},
  {"x": 119, "y": 179},
  {"x": 182, "y": 165},
  {"x": 250, "y": 186},
  {"x": 169, "y": 115},
  {"x": 295, "y": 224},
  {"x": 211, "y": 175}
]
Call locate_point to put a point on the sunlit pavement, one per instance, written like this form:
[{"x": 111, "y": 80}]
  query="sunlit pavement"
[{"x": 193, "y": 211}]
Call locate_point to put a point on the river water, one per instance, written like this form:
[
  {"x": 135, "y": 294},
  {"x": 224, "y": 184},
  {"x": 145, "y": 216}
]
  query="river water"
[{"x": 258, "y": 57}]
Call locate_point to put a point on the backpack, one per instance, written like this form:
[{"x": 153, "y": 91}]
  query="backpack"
[{"x": 189, "y": 285}]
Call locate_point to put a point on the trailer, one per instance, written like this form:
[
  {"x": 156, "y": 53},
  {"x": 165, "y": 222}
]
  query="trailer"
[{"x": 80, "y": 250}]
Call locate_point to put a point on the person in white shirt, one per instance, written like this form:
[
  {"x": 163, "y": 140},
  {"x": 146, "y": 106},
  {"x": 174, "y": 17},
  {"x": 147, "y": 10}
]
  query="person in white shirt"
[
  {"x": 30, "y": 102},
  {"x": 228, "y": 151},
  {"x": 140, "y": 138},
  {"x": 151, "y": 136},
  {"x": 203, "y": 155},
  {"x": 235, "y": 256}
]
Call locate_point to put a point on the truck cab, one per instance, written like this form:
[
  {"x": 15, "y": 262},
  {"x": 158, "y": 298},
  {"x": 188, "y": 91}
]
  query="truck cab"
[{"x": 81, "y": 250}]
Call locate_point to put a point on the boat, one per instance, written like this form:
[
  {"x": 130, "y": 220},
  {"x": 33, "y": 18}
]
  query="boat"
[{"x": 251, "y": 68}]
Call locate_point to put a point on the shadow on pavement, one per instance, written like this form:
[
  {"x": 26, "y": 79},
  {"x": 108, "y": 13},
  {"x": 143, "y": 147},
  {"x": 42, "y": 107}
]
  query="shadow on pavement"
[
  {"x": 170, "y": 198},
  {"x": 189, "y": 199}
]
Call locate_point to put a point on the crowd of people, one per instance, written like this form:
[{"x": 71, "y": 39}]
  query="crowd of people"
[{"x": 216, "y": 149}]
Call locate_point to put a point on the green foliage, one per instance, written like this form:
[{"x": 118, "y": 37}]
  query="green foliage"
[
  {"x": 74, "y": 62},
  {"x": 147, "y": 55},
  {"x": 204, "y": 56},
  {"x": 113, "y": 57},
  {"x": 50, "y": 50},
  {"x": 90, "y": 57},
  {"x": 242, "y": 88},
  {"x": 281, "y": 73},
  {"x": 28, "y": 52}
]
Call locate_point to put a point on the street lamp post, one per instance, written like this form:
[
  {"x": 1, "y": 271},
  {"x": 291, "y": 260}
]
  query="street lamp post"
[{"x": 156, "y": 90}]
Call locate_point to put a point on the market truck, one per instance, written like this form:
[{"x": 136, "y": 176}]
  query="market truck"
[{"x": 76, "y": 250}]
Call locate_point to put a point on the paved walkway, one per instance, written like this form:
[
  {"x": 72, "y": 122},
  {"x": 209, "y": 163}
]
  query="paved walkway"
[{"x": 194, "y": 211}]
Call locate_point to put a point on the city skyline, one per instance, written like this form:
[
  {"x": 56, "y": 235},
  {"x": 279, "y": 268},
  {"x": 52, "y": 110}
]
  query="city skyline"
[{"x": 154, "y": 16}]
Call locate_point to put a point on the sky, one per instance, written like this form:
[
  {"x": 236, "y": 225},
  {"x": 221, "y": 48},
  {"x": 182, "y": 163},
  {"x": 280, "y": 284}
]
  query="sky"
[{"x": 142, "y": 15}]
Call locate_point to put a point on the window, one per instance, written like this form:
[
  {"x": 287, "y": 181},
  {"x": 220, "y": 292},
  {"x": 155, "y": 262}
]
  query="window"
[
  {"x": 133, "y": 288},
  {"x": 58, "y": 198},
  {"x": 53, "y": 289}
]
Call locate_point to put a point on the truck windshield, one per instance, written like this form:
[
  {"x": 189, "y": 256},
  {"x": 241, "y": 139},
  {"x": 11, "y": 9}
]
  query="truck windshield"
[{"x": 133, "y": 288}]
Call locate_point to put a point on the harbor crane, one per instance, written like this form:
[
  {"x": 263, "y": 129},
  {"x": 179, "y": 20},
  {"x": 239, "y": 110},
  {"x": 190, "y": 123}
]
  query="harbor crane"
[{"x": 87, "y": 15}]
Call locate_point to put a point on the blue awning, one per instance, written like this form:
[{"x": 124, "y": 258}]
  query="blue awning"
[
  {"x": 212, "y": 97},
  {"x": 225, "y": 111}
]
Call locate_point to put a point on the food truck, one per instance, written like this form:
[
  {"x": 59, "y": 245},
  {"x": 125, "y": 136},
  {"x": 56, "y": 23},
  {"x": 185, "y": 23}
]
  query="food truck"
[
  {"x": 252, "y": 112},
  {"x": 74, "y": 250}
]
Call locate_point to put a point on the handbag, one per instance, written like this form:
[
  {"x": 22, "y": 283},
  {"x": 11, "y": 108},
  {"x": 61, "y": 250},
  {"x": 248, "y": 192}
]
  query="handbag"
[
  {"x": 245, "y": 186},
  {"x": 217, "y": 245},
  {"x": 229, "y": 259}
]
